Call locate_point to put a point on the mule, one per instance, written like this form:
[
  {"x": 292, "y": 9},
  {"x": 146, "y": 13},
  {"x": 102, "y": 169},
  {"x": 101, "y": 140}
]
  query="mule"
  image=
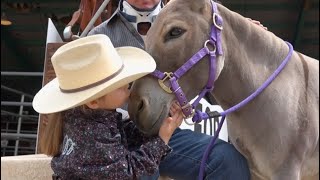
[{"x": 278, "y": 131}]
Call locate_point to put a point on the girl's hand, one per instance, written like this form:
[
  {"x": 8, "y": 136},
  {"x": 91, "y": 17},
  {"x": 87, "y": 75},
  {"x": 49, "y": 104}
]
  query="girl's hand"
[{"x": 171, "y": 123}]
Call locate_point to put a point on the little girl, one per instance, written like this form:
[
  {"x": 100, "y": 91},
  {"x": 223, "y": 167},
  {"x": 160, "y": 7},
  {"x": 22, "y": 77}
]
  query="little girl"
[{"x": 85, "y": 134}]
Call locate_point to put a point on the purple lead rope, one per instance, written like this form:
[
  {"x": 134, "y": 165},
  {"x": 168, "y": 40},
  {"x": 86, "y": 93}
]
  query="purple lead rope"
[{"x": 236, "y": 107}]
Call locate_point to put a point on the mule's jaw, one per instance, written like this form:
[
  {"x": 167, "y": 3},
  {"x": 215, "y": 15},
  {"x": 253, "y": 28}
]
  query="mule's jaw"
[
  {"x": 153, "y": 130},
  {"x": 150, "y": 123}
]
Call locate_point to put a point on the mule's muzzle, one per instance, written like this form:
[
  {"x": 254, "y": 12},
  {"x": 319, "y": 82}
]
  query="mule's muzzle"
[{"x": 141, "y": 114}]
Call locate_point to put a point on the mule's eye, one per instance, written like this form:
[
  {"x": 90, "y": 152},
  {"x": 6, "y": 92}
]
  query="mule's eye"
[{"x": 174, "y": 33}]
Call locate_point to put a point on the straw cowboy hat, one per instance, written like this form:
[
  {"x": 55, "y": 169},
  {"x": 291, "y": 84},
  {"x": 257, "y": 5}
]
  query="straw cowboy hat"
[{"x": 87, "y": 69}]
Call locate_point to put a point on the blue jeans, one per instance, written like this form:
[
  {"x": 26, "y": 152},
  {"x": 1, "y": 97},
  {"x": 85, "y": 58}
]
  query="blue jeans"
[{"x": 183, "y": 163}]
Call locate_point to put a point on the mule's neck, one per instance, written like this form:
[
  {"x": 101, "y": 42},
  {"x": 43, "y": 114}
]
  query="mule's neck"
[{"x": 251, "y": 56}]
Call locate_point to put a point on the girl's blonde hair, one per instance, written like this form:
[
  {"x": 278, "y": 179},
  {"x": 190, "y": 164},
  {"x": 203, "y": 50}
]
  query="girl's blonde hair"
[{"x": 51, "y": 139}]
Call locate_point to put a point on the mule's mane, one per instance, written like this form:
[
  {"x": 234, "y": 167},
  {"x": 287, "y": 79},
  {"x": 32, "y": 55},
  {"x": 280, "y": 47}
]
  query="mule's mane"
[{"x": 251, "y": 47}]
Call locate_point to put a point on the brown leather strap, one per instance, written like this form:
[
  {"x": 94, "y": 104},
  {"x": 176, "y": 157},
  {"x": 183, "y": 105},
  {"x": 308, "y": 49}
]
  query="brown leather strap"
[{"x": 86, "y": 14}]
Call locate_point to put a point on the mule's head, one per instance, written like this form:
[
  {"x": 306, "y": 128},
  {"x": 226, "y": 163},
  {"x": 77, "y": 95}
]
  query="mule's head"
[{"x": 179, "y": 31}]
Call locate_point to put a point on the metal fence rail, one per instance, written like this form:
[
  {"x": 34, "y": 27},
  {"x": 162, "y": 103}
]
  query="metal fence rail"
[{"x": 18, "y": 130}]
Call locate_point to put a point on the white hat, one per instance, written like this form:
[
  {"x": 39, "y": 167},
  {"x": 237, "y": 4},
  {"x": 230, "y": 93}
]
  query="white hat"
[{"x": 87, "y": 69}]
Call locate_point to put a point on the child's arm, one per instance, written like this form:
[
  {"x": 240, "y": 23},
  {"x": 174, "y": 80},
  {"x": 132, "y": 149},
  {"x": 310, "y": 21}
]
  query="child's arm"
[{"x": 104, "y": 155}]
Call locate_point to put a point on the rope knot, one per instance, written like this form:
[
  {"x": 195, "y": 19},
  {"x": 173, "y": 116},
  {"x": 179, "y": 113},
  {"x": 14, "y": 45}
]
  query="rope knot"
[{"x": 198, "y": 116}]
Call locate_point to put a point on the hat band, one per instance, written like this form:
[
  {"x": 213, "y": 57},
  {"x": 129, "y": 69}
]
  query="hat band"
[{"x": 93, "y": 84}]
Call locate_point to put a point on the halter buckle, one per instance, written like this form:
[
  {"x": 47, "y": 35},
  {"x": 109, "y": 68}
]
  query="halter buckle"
[
  {"x": 190, "y": 116},
  {"x": 192, "y": 112},
  {"x": 161, "y": 82},
  {"x": 215, "y": 23}
]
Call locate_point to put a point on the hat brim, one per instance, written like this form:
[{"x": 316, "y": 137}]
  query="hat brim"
[{"x": 50, "y": 99}]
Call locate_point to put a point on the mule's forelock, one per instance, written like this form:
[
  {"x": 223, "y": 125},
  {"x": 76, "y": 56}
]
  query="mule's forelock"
[{"x": 197, "y": 5}]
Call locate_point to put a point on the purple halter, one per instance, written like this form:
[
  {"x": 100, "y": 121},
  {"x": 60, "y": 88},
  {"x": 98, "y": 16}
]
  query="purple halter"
[{"x": 215, "y": 41}]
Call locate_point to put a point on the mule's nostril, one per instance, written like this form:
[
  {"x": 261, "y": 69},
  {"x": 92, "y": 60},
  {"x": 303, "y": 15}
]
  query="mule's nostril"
[{"x": 140, "y": 106}]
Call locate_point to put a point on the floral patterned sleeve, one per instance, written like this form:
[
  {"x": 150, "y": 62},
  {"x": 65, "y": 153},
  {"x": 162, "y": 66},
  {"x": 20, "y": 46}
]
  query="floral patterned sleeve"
[
  {"x": 102, "y": 154},
  {"x": 135, "y": 137}
]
